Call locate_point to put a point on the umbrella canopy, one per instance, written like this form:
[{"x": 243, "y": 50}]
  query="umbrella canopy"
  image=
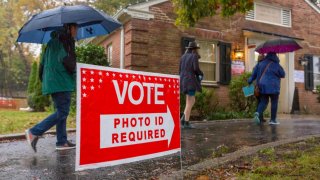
[
  {"x": 281, "y": 45},
  {"x": 90, "y": 23}
]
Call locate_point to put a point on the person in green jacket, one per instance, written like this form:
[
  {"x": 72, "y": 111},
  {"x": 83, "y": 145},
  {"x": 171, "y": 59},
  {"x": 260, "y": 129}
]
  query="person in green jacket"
[{"x": 58, "y": 81}]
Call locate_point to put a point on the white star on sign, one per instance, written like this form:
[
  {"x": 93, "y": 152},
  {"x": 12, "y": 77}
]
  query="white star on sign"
[
  {"x": 120, "y": 75},
  {"x": 100, "y": 80},
  {"x": 127, "y": 76},
  {"x": 149, "y": 78},
  {"x": 84, "y": 87},
  {"x": 155, "y": 79},
  {"x": 165, "y": 80},
  {"x": 113, "y": 75},
  {"x": 107, "y": 74},
  {"x": 144, "y": 78},
  {"x": 84, "y": 79},
  {"x": 169, "y": 86},
  {"x": 133, "y": 76},
  {"x": 91, "y": 72},
  {"x": 100, "y": 73},
  {"x": 139, "y": 77},
  {"x": 169, "y": 80},
  {"x": 92, "y": 80},
  {"x": 92, "y": 87},
  {"x": 160, "y": 79},
  {"x": 84, "y": 95},
  {"x": 84, "y": 72}
]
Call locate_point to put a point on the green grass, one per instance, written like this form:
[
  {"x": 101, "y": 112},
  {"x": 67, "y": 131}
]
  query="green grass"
[
  {"x": 302, "y": 165},
  {"x": 12, "y": 121}
]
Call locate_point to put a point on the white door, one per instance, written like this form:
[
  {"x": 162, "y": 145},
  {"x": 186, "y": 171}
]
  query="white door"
[{"x": 284, "y": 105}]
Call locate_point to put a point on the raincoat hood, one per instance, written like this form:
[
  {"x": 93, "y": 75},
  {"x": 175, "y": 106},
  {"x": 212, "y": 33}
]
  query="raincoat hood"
[{"x": 273, "y": 57}]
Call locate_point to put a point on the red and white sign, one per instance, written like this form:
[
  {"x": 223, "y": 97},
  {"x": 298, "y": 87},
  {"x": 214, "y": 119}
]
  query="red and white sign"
[{"x": 125, "y": 116}]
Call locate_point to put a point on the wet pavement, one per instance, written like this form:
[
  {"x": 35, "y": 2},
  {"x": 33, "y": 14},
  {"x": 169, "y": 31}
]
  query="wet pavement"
[{"x": 17, "y": 161}]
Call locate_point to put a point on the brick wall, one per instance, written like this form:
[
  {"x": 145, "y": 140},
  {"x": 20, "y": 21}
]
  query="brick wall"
[{"x": 155, "y": 45}]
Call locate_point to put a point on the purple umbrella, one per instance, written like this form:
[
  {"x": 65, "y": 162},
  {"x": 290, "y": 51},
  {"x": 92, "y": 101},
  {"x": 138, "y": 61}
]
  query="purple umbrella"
[{"x": 282, "y": 45}]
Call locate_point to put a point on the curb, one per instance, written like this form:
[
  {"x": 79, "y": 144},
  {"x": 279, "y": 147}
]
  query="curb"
[
  {"x": 21, "y": 136},
  {"x": 211, "y": 163}
]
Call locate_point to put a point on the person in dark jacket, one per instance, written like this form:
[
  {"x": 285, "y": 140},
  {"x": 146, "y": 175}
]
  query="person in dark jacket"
[
  {"x": 269, "y": 85},
  {"x": 190, "y": 80},
  {"x": 59, "y": 83}
]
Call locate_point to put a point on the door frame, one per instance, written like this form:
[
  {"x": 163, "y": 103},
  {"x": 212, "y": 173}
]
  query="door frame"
[{"x": 289, "y": 72}]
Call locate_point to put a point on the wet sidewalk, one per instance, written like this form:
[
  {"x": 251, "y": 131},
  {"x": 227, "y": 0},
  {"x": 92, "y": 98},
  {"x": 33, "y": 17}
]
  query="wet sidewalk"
[{"x": 17, "y": 161}]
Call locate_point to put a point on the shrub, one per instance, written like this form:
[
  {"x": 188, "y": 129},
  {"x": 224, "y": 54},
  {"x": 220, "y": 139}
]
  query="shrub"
[
  {"x": 92, "y": 54},
  {"x": 32, "y": 77},
  {"x": 240, "y": 103},
  {"x": 318, "y": 91},
  {"x": 36, "y": 100},
  {"x": 206, "y": 102}
]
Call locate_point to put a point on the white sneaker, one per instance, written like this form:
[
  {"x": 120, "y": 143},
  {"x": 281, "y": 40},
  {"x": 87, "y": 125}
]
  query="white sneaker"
[
  {"x": 274, "y": 122},
  {"x": 256, "y": 118}
]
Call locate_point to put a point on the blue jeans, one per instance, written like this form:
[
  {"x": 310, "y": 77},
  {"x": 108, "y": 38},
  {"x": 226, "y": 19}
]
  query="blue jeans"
[
  {"x": 61, "y": 102},
  {"x": 264, "y": 100}
]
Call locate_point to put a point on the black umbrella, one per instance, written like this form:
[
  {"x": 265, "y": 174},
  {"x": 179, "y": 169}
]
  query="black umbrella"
[{"x": 281, "y": 45}]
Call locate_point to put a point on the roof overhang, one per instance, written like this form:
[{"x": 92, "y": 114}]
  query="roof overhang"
[{"x": 255, "y": 33}]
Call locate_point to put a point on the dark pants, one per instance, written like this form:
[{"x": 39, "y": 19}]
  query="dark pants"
[
  {"x": 62, "y": 106},
  {"x": 260, "y": 114},
  {"x": 264, "y": 100}
]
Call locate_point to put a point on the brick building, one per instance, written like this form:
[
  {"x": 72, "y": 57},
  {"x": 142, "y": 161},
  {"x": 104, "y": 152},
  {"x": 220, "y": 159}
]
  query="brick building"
[{"x": 151, "y": 42}]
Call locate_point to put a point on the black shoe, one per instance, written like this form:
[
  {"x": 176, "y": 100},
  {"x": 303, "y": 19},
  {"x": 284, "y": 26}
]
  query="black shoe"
[
  {"x": 187, "y": 125},
  {"x": 182, "y": 120},
  {"x": 65, "y": 146},
  {"x": 32, "y": 140}
]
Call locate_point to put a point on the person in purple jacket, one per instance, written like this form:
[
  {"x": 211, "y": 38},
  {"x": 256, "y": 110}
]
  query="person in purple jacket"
[
  {"x": 268, "y": 74},
  {"x": 190, "y": 80}
]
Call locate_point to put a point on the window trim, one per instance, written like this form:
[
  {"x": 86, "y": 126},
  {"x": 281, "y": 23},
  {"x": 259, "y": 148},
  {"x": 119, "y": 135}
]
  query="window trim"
[
  {"x": 108, "y": 54},
  {"x": 266, "y": 22},
  {"x": 215, "y": 82}
]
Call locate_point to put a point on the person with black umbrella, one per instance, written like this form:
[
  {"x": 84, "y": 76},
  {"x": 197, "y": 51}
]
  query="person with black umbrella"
[
  {"x": 268, "y": 74},
  {"x": 57, "y": 69}
]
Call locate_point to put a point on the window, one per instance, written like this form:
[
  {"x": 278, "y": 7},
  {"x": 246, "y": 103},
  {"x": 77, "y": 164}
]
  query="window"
[
  {"x": 215, "y": 61},
  {"x": 270, "y": 14},
  {"x": 109, "y": 54},
  {"x": 208, "y": 60},
  {"x": 316, "y": 71}
]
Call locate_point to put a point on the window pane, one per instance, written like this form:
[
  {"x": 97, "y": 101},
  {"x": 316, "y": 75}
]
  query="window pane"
[
  {"x": 316, "y": 78},
  {"x": 316, "y": 64},
  {"x": 207, "y": 51},
  {"x": 207, "y": 61},
  {"x": 208, "y": 70}
]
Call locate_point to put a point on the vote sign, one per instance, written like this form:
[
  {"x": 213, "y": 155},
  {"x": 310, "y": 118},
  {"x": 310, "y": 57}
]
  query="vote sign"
[{"x": 125, "y": 116}]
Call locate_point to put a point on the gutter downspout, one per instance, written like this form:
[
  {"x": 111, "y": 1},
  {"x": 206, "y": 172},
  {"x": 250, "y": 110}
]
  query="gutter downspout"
[{"x": 122, "y": 48}]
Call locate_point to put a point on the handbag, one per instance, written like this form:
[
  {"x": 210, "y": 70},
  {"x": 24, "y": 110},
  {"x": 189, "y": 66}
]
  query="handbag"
[
  {"x": 256, "y": 87},
  {"x": 69, "y": 62}
]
